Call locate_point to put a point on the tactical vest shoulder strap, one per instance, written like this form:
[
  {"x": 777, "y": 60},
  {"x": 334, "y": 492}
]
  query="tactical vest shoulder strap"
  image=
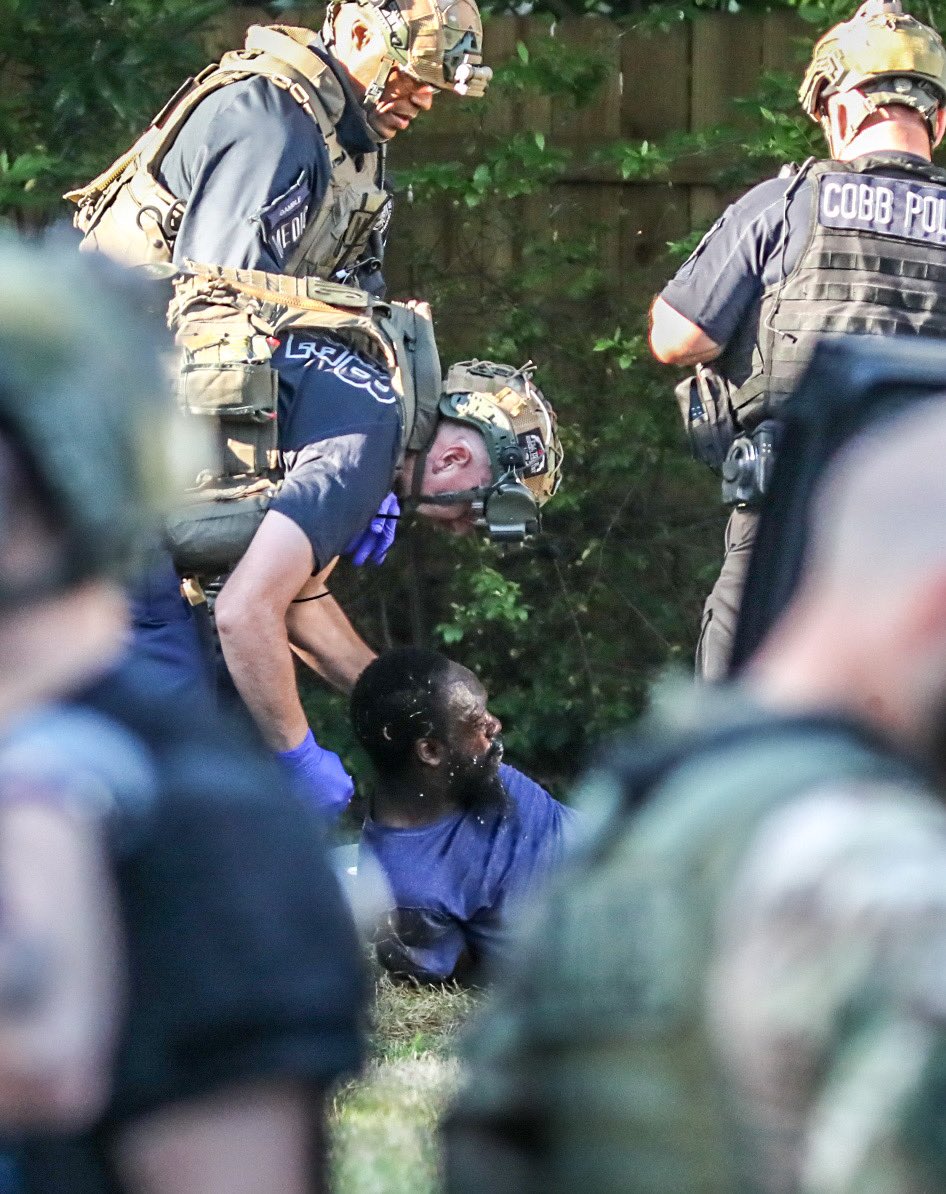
[
  {"x": 275, "y": 53},
  {"x": 288, "y": 44},
  {"x": 877, "y": 163},
  {"x": 801, "y": 751}
]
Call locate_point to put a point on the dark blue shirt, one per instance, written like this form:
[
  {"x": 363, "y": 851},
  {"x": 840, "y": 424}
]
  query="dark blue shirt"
[
  {"x": 454, "y": 881},
  {"x": 339, "y": 436},
  {"x": 251, "y": 166},
  {"x": 755, "y": 242}
]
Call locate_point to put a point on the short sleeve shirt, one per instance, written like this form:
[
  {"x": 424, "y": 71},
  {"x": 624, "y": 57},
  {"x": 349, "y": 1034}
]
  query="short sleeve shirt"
[
  {"x": 339, "y": 438},
  {"x": 454, "y": 882},
  {"x": 755, "y": 242}
]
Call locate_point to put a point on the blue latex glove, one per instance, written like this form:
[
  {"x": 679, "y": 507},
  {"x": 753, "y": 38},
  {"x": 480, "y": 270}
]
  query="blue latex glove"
[
  {"x": 319, "y": 776},
  {"x": 374, "y": 542}
]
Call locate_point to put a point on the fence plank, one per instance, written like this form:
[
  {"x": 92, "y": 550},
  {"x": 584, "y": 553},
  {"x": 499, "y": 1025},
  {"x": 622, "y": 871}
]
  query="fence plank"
[
  {"x": 654, "y": 83},
  {"x": 657, "y": 83}
]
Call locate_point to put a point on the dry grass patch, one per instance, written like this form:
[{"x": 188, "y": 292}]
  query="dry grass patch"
[{"x": 383, "y": 1125}]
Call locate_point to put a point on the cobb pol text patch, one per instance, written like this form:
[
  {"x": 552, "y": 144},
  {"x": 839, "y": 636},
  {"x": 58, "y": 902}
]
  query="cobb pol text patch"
[{"x": 889, "y": 206}]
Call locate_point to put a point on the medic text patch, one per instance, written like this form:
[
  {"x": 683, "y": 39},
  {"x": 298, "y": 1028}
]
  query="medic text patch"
[
  {"x": 284, "y": 220},
  {"x": 890, "y": 206}
]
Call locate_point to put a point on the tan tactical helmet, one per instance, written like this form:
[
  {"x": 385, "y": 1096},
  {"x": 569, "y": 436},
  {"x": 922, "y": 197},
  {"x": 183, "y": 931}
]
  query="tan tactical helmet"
[
  {"x": 439, "y": 42},
  {"x": 521, "y": 433},
  {"x": 887, "y": 55}
]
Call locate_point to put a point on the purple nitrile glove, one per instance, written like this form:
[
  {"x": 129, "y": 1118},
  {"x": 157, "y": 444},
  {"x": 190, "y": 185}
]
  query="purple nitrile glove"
[
  {"x": 319, "y": 776},
  {"x": 373, "y": 542}
]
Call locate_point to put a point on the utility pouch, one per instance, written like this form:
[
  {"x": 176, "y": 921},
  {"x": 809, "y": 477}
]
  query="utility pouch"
[
  {"x": 747, "y": 469},
  {"x": 213, "y": 526},
  {"x": 227, "y": 379},
  {"x": 704, "y": 401}
]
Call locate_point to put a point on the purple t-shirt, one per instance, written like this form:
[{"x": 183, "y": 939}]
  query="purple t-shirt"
[{"x": 453, "y": 882}]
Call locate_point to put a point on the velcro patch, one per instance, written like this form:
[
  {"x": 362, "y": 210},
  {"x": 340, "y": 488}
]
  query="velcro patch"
[
  {"x": 888, "y": 206},
  {"x": 534, "y": 451},
  {"x": 284, "y": 220}
]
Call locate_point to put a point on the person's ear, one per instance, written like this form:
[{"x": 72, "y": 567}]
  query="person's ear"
[
  {"x": 456, "y": 455},
  {"x": 361, "y": 34},
  {"x": 429, "y": 751},
  {"x": 939, "y": 127},
  {"x": 352, "y": 34}
]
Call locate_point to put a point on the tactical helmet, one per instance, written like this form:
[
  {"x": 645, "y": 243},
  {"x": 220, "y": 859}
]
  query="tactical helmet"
[
  {"x": 887, "y": 55},
  {"x": 439, "y": 42},
  {"x": 80, "y": 399},
  {"x": 520, "y": 430}
]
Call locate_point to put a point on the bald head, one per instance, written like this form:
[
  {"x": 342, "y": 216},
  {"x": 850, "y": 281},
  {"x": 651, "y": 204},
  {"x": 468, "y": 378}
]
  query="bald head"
[
  {"x": 879, "y": 519},
  {"x": 865, "y": 633}
]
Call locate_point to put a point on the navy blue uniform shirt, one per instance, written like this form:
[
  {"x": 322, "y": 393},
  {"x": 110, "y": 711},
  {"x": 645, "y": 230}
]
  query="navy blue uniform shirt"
[
  {"x": 339, "y": 437},
  {"x": 251, "y": 166},
  {"x": 755, "y": 242},
  {"x": 454, "y": 882}
]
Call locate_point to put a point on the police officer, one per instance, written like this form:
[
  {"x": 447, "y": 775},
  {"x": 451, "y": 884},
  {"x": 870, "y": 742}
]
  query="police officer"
[
  {"x": 479, "y": 449},
  {"x": 274, "y": 159},
  {"x": 739, "y": 983},
  {"x": 855, "y": 244}
]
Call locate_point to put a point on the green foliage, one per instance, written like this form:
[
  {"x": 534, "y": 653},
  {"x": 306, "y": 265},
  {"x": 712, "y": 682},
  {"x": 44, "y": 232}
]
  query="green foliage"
[
  {"x": 81, "y": 80},
  {"x": 568, "y": 632}
]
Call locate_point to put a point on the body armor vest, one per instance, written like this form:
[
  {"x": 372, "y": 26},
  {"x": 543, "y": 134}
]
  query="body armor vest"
[
  {"x": 875, "y": 264},
  {"x": 226, "y": 322},
  {"x": 645, "y": 1069},
  {"x": 129, "y": 215}
]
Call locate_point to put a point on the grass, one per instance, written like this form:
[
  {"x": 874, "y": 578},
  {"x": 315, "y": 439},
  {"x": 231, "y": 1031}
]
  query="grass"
[{"x": 383, "y": 1124}]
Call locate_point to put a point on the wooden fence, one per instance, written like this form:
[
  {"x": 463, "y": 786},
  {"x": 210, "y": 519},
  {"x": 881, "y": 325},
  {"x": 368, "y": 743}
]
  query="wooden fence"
[{"x": 684, "y": 79}]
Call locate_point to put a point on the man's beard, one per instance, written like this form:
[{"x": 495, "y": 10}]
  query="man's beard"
[{"x": 475, "y": 785}]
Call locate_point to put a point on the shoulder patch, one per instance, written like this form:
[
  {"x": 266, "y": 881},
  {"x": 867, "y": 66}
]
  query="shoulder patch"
[
  {"x": 896, "y": 207},
  {"x": 283, "y": 221}
]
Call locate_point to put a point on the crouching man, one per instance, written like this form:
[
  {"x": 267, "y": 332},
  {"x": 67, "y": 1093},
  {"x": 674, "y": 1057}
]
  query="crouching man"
[{"x": 460, "y": 836}]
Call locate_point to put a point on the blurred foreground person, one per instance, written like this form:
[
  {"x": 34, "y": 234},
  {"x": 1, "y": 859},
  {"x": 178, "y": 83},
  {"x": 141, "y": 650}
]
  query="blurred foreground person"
[
  {"x": 740, "y": 986},
  {"x": 459, "y": 835},
  {"x": 138, "y": 838}
]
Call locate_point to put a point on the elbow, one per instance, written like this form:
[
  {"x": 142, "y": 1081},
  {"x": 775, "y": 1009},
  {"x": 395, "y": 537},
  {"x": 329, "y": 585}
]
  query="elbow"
[{"x": 666, "y": 353}]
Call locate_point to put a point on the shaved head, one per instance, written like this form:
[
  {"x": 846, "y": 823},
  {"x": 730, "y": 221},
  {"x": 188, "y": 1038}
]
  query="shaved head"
[
  {"x": 865, "y": 633},
  {"x": 879, "y": 518}
]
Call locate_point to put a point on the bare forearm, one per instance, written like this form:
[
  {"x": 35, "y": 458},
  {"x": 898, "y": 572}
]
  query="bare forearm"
[
  {"x": 259, "y": 661},
  {"x": 323, "y": 637}
]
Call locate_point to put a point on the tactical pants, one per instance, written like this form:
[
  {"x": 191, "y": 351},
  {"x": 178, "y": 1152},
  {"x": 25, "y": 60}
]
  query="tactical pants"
[
  {"x": 721, "y": 611},
  {"x": 165, "y": 632}
]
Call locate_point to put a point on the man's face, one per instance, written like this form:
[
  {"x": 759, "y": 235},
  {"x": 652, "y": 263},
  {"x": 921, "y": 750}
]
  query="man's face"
[
  {"x": 474, "y": 745},
  {"x": 361, "y": 49},
  {"x": 403, "y": 100}
]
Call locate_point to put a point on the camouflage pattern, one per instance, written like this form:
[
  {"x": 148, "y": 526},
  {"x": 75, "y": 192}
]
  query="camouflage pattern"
[
  {"x": 509, "y": 410},
  {"x": 439, "y": 42},
  {"x": 884, "y": 52},
  {"x": 84, "y": 397},
  {"x": 738, "y": 986}
]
